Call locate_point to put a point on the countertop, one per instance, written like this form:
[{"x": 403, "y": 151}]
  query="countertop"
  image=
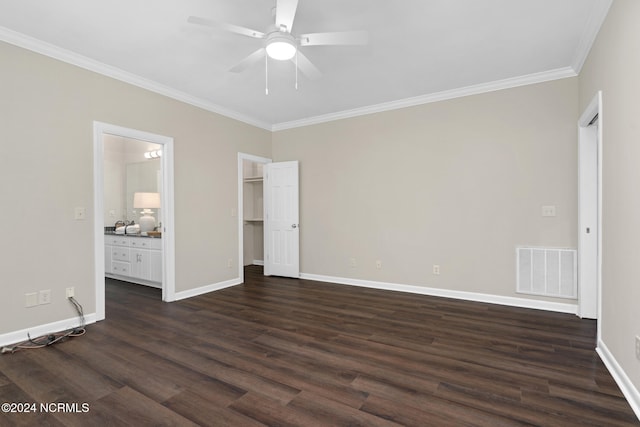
[{"x": 111, "y": 233}]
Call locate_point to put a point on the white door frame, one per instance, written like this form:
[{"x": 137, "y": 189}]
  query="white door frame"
[
  {"x": 240, "y": 211},
  {"x": 168, "y": 234},
  {"x": 587, "y": 294}
]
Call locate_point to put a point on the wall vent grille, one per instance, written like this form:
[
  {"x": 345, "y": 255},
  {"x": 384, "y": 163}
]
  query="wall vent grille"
[{"x": 548, "y": 272}]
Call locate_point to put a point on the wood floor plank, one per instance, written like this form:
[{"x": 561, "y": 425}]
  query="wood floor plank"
[
  {"x": 397, "y": 411},
  {"x": 203, "y": 409},
  {"x": 120, "y": 363},
  {"x": 76, "y": 373},
  {"x": 273, "y": 413},
  {"x": 432, "y": 407},
  {"x": 330, "y": 412},
  {"x": 38, "y": 381},
  {"x": 577, "y": 410},
  {"x": 292, "y": 352},
  {"x": 308, "y": 377},
  {"x": 498, "y": 405},
  {"x": 128, "y": 407},
  {"x": 11, "y": 393}
]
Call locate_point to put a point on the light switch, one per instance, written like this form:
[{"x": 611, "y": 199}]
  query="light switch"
[
  {"x": 549, "y": 211},
  {"x": 31, "y": 299}
]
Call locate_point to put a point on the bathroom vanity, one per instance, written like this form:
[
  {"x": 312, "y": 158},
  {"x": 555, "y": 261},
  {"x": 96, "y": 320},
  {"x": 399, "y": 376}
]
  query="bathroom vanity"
[{"x": 134, "y": 258}]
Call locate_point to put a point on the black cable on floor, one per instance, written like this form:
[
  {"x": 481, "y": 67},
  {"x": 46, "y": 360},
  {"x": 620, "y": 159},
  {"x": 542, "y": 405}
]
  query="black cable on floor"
[{"x": 50, "y": 339}]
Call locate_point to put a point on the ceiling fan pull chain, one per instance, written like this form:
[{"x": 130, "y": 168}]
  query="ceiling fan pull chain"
[
  {"x": 266, "y": 75},
  {"x": 296, "y": 69}
]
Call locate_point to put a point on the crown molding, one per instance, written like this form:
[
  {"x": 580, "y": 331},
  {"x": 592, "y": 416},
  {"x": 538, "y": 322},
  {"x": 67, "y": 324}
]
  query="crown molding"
[
  {"x": 55, "y": 52},
  {"x": 52, "y": 51},
  {"x": 509, "y": 83},
  {"x": 597, "y": 17}
]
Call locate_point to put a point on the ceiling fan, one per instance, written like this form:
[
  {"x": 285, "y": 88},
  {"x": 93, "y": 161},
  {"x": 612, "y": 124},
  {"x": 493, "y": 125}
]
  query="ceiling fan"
[{"x": 279, "y": 43}]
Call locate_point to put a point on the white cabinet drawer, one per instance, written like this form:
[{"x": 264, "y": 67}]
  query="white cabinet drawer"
[
  {"x": 117, "y": 241},
  {"x": 122, "y": 268},
  {"x": 146, "y": 243},
  {"x": 119, "y": 253}
]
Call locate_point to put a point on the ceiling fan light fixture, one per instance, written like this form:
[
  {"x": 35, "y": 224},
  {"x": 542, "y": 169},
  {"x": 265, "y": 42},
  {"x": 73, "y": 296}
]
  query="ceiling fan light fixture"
[{"x": 281, "y": 48}]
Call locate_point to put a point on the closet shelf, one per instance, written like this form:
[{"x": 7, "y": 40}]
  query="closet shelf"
[
  {"x": 253, "y": 179},
  {"x": 253, "y": 219}
]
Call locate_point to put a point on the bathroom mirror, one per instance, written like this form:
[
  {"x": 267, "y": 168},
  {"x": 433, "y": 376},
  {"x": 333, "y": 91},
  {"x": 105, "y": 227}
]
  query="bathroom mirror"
[
  {"x": 127, "y": 171},
  {"x": 142, "y": 177}
]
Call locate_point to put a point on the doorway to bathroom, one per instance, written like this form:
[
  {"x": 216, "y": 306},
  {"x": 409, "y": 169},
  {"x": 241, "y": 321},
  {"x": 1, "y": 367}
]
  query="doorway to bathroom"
[{"x": 133, "y": 210}]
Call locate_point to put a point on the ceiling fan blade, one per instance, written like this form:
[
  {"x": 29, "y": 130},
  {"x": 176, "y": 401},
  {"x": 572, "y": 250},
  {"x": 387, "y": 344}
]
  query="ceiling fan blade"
[
  {"x": 226, "y": 27},
  {"x": 336, "y": 38},
  {"x": 306, "y": 67},
  {"x": 285, "y": 13},
  {"x": 248, "y": 61}
]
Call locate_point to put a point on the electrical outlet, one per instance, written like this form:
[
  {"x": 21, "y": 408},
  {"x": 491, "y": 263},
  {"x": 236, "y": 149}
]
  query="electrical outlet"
[
  {"x": 229, "y": 263},
  {"x": 638, "y": 347},
  {"x": 378, "y": 264},
  {"x": 31, "y": 299},
  {"x": 436, "y": 269},
  {"x": 70, "y": 292},
  {"x": 44, "y": 297},
  {"x": 352, "y": 262}
]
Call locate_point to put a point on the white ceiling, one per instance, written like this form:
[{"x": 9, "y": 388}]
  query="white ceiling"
[{"x": 419, "y": 50}]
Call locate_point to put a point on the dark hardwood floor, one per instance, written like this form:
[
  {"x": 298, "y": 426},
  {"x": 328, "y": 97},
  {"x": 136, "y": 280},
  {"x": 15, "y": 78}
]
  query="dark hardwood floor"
[{"x": 283, "y": 352}]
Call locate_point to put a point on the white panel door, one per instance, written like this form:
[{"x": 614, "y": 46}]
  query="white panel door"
[{"x": 282, "y": 230}]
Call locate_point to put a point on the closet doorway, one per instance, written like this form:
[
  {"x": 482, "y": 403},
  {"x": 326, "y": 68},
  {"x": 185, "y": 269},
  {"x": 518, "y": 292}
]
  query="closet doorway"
[{"x": 250, "y": 211}]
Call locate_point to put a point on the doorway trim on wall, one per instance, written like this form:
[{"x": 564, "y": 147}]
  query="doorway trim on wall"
[
  {"x": 626, "y": 385},
  {"x": 587, "y": 136},
  {"x": 240, "y": 209},
  {"x": 168, "y": 235}
]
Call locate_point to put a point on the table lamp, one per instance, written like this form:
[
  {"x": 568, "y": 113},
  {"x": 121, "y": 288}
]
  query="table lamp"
[{"x": 146, "y": 202}]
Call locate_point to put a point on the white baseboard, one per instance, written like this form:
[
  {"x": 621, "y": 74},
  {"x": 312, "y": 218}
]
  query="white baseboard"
[
  {"x": 258, "y": 262},
  {"x": 62, "y": 325},
  {"x": 462, "y": 295},
  {"x": 206, "y": 289},
  {"x": 626, "y": 386},
  {"x": 49, "y": 328}
]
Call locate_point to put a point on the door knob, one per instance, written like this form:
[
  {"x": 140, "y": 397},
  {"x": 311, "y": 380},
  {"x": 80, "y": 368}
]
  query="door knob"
[{"x": 294, "y": 225}]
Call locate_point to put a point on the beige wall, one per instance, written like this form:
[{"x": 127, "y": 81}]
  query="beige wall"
[
  {"x": 613, "y": 66},
  {"x": 46, "y": 169},
  {"x": 457, "y": 183}
]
